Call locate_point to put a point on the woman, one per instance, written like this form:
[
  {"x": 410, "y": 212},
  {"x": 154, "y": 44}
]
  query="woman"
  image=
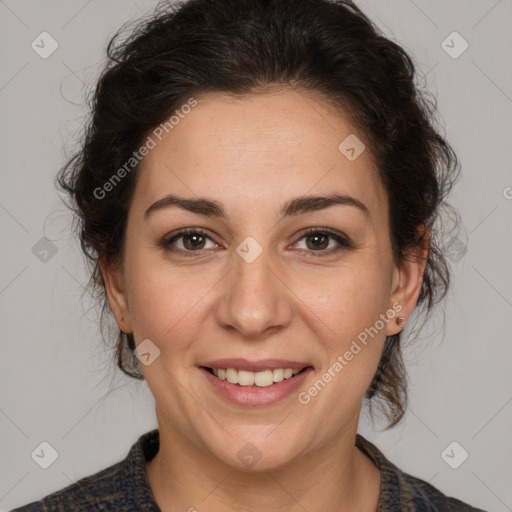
[{"x": 258, "y": 192}]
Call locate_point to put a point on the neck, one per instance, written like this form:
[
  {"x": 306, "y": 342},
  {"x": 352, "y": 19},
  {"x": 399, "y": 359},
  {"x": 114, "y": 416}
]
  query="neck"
[{"x": 336, "y": 477}]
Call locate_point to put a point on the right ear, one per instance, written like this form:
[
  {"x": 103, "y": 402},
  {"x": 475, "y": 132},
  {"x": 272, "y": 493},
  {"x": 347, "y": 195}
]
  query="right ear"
[{"x": 116, "y": 294}]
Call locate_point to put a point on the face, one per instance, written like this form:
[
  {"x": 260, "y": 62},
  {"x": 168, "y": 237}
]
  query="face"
[{"x": 263, "y": 280}]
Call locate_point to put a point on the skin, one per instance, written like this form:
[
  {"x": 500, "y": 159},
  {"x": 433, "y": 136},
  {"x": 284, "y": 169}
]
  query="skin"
[{"x": 295, "y": 301}]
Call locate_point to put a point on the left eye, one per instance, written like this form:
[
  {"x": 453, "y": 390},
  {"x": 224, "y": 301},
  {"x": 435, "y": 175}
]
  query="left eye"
[{"x": 319, "y": 241}]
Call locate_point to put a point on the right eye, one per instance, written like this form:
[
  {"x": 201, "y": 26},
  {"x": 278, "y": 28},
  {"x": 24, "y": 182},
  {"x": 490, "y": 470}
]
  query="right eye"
[{"x": 192, "y": 240}]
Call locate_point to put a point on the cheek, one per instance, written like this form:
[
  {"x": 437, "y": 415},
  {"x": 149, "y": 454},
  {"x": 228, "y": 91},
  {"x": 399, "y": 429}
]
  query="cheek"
[
  {"x": 351, "y": 347},
  {"x": 165, "y": 301},
  {"x": 346, "y": 299},
  {"x": 343, "y": 312}
]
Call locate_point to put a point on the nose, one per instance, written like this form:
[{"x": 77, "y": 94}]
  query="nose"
[{"x": 255, "y": 300}]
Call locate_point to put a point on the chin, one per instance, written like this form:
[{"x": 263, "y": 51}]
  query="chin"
[{"x": 258, "y": 453}]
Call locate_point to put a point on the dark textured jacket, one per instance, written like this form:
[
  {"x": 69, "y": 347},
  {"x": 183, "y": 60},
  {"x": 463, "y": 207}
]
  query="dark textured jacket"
[{"x": 125, "y": 486}]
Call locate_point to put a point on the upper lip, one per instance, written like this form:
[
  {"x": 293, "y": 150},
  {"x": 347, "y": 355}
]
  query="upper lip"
[{"x": 255, "y": 366}]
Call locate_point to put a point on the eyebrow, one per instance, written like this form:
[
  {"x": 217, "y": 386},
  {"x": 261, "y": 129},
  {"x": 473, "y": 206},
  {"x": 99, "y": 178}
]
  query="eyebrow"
[{"x": 293, "y": 207}]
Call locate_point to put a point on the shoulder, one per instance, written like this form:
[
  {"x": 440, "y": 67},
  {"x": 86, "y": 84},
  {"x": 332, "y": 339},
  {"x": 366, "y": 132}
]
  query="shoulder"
[
  {"x": 83, "y": 495},
  {"x": 423, "y": 496},
  {"x": 120, "y": 487},
  {"x": 402, "y": 491}
]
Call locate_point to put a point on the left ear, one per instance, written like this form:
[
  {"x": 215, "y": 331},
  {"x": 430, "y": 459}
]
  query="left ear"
[{"x": 407, "y": 281}]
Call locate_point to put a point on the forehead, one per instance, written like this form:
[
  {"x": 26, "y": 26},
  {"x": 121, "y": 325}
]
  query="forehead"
[{"x": 252, "y": 151}]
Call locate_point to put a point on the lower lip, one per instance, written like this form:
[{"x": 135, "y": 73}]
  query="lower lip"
[{"x": 254, "y": 395}]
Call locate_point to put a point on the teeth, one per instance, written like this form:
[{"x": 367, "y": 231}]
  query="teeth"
[
  {"x": 264, "y": 378},
  {"x": 278, "y": 374},
  {"x": 261, "y": 379},
  {"x": 245, "y": 378},
  {"x": 232, "y": 376}
]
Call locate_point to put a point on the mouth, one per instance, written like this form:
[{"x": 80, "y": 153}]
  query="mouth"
[{"x": 262, "y": 383}]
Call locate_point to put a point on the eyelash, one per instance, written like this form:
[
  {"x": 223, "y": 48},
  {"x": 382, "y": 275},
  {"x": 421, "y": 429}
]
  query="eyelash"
[{"x": 343, "y": 241}]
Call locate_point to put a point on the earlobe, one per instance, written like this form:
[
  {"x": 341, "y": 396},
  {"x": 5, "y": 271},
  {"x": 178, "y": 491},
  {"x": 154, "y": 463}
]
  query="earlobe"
[
  {"x": 116, "y": 294},
  {"x": 407, "y": 283}
]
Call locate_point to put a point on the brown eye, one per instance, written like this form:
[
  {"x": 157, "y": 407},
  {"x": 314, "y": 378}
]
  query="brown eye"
[
  {"x": 318, "y": 241},
  {"x": 324, "y": 241},
  {"x": 193, "y": 241},
  {"x": 187, "y": 241}
]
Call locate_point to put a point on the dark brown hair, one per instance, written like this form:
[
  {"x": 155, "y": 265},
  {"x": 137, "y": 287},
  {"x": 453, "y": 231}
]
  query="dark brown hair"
[{"x": 248, "y": 46}]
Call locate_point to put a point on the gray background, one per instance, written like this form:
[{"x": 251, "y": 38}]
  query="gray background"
[{"x": 57, "y": 380}]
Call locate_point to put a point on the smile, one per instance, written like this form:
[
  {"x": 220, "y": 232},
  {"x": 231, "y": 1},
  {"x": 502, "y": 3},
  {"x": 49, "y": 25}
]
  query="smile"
[{"x": 258, "y": 384}]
